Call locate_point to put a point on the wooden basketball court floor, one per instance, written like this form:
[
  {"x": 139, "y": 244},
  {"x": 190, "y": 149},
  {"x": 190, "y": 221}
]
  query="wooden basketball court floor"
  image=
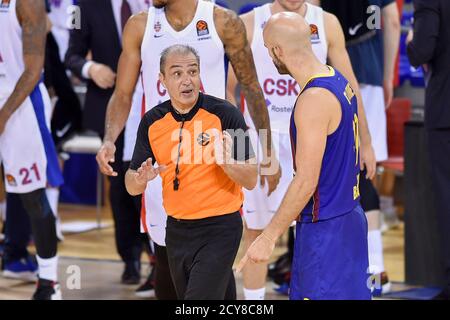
[{"x": 94, "y": 253}]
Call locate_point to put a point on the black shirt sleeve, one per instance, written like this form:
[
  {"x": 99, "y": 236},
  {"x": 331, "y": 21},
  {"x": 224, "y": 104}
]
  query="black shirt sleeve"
[
  {"x": 142, "y": 149},
  {"x": 233, "y": 121}
]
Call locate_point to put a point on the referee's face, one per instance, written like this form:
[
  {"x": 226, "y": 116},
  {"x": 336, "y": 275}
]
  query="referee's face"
[{"x": 181, "y": 78}]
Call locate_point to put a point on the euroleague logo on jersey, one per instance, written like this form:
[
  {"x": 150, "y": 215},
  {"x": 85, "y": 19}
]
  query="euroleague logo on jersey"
[
  {"x": 4, "y": 4},
  {"x": 202, "y": 28},
  {"x": 11, "y": 180},
  {"x": 315, "y": 38},
  {"x": 203, "y": 139}
]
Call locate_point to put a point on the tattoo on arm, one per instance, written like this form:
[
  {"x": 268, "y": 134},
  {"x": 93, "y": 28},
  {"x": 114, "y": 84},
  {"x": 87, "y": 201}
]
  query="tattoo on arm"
[
  {"x": 32, "y": 18},
  {"x": 233, "y": 34}
]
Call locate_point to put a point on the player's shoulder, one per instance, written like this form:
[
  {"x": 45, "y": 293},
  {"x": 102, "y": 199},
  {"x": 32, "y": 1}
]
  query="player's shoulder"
[
  {"x": 331, "y": 22},
  {"x": 227, "y": 20},
  {"x": 135, "y": 29},
  {"x": 248, "y": 19},
  {"x": 138, "y": 20},
  {"x": 318, "y": 95}
]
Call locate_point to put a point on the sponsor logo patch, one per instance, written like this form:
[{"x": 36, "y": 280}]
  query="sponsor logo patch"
[{"x": 157, "y": 26}]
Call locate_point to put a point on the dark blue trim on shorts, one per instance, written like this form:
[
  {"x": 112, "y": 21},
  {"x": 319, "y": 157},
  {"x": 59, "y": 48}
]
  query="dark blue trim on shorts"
[{"x": 54, "y": 174}]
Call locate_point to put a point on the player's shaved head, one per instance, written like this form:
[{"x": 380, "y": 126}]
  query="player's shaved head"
[{"x": 287, "y": 35}]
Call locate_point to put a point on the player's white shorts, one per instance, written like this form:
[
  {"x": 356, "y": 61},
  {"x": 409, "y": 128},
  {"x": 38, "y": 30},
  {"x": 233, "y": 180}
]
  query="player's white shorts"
[
  {"x": 373, "y": 99},
  {"x": 258, "y": 208},
  {"x": 26, "y": 146},
  {"x": 153, "y": 215}
]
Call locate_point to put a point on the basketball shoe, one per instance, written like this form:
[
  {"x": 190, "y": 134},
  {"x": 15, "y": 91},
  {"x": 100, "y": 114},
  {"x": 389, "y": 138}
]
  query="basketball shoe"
[{"x": 47, "y": 290}]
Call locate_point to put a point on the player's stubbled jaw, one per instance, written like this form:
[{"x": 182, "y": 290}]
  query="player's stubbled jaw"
[{"x": 159, "y": 3}]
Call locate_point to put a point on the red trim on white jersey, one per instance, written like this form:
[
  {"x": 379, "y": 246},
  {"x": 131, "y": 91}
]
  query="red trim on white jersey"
[
  {"x": 143, "y": 209},
  {"x": 242, "y": 103}
]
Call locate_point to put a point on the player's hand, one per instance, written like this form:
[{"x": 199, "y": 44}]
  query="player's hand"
[
  {"x": 3, "y": 119},
  {"x": 270, "y": 173},
  {"x": 388, "y": 88},
  {"x": 102, "y": 75},
  {"x": 105, "y": 156},
  {"x": 259, "y": 251},
  {"x": 146, "y": 172},
  {"x": 368, "y": 160}
]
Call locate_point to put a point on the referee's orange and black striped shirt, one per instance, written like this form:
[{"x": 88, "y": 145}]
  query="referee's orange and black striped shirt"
[{"x": 204, "y": 188}]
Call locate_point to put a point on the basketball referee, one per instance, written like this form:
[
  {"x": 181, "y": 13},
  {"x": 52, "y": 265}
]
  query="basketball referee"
[{"x": 204, "y": 156}]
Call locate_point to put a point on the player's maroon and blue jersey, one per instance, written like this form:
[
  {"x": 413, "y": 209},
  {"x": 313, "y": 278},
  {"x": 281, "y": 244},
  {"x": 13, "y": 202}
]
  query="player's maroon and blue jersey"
[
  {"x": 331, "y": 255},
  {"x": 337, "y": 192}
]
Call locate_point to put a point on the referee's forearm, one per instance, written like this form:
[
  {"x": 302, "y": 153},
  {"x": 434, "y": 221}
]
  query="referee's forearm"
[{"x": 245, "y": 175}]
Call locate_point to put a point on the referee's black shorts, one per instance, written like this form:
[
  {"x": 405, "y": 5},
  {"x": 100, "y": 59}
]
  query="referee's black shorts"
[{"x": 201, "y": 255}]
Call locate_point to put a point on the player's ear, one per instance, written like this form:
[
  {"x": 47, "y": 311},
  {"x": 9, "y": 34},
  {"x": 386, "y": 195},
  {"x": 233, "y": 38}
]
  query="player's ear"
[
  {"x": 162, "y": 80},
  {"x": 277, "y": 52}
]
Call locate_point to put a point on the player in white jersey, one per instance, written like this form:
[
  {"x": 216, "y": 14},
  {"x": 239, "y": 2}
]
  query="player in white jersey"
[
  {"x": 280, "y": 92},
  {"x": 217, "y": 34},
  {"x": 26, "y": 147}
]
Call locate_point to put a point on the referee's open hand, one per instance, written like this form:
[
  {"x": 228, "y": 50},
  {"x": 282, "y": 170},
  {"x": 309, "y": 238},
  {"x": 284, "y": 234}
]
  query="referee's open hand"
[{"x": 146, "y": 172}]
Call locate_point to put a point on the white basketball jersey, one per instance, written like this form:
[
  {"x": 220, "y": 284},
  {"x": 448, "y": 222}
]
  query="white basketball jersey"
[
  {"x": 11, "y": 56},
  {"x": 280, "y": 91},
  {"x": 200, "y": 34}
]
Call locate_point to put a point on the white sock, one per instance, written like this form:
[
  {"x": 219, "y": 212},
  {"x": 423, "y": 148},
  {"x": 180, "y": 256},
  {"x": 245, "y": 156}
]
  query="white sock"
[
  {"x": 48, "y": 268},
  {"x": 53, "y": 197},
  {"x": 3, "y": 211},
  {"x": 254, "y": 294},
  {"x": 376, "y": 262}
]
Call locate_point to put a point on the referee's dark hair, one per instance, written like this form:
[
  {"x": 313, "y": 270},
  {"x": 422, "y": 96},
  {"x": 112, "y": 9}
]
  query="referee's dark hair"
[{"x": 178, "y": 49}]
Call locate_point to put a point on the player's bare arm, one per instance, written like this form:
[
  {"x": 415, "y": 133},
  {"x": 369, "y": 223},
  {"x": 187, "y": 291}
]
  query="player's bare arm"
[
  {"x": 338, "y": 58},
  {"x": 317, "y": 115},
  {"x": 232, "y": 32},
  {"x": 32, "y": 18},
  {"x": 120, "y": 103},
  {"x": 232, "y": 82},
  {"x": 391, "y": 40}
]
